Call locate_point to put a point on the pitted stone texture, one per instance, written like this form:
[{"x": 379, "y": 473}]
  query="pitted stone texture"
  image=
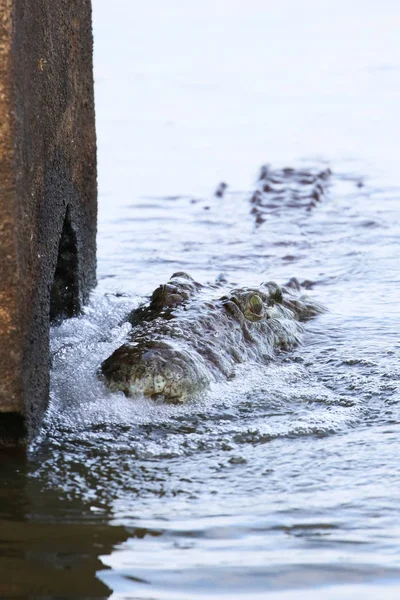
[{"x": 47, "y": 186}]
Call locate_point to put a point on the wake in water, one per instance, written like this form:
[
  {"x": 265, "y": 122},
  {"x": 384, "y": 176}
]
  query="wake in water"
[
  {"x": 282, "y": 398},
  {"x": 276, "y": 461},
  {"x": 100, "y": 428}
]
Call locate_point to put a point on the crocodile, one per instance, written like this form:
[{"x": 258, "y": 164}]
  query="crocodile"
[
  {"x": 185, "y": 338},
  {"x": 279, "y": 189}
]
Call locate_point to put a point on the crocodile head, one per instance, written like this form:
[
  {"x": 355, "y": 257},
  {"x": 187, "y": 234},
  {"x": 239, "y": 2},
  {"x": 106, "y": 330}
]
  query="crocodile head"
[{"x": 181, "y": 341}]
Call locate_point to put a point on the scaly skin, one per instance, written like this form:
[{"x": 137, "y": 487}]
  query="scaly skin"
[{"x": 180, "y": 342}]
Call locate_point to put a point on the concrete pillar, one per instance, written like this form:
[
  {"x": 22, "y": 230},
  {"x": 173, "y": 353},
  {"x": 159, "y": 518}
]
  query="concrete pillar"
[{"x": 48, "y": 201}]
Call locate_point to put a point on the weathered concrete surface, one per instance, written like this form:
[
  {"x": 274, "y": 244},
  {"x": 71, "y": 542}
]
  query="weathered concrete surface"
[{"x": 47, "y": 193}]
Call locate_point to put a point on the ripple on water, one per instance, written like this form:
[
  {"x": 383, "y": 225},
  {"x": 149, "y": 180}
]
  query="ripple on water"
[{"x": 284, "y": 477}]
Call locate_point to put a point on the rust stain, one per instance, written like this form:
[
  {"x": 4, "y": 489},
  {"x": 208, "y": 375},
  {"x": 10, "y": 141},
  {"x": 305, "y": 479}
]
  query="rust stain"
[{"x": 5, "y": 60}]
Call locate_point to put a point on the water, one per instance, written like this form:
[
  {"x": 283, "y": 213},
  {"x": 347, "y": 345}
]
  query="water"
[{"x": 279, "y": 484}]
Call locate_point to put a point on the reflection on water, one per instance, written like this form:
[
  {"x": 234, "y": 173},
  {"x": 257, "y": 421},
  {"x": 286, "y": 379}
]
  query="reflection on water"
[
  {"x": 282, "y": 483},
  {"x": 50, "y": 543}
]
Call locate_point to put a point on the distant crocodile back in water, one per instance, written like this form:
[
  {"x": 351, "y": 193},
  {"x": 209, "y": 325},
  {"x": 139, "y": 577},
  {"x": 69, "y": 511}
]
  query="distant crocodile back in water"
[
  {"x": 182, "y": 340},
  {"x": 280, "y": 189}
]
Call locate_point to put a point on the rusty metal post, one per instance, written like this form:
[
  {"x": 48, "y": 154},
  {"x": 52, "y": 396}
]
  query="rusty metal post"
[{"x": 48, "y": 197}]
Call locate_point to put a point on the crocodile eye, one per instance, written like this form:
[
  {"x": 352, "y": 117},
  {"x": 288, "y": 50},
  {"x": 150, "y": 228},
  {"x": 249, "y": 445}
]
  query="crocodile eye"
[{"x": 255, "y": 304}]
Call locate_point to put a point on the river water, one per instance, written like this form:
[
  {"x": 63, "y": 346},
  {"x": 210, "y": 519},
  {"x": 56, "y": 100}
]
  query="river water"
[{"x": 283, "y": 483}]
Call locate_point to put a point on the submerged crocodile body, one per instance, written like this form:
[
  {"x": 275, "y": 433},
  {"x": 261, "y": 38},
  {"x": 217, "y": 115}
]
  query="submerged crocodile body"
[
  {"x": 285, "y": 188},
  {"x": 182, "y": 341}
]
